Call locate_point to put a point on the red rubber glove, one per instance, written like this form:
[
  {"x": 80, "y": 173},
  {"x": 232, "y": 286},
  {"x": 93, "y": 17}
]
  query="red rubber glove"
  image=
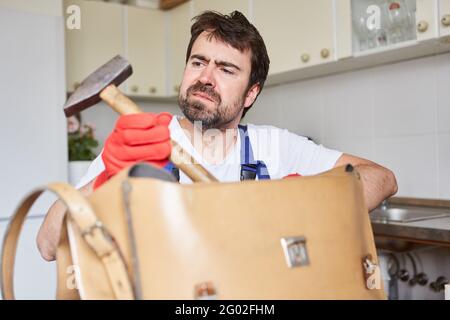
[
  {"x": 136, "y": 138},
  {"x": 292, "y": 175}
]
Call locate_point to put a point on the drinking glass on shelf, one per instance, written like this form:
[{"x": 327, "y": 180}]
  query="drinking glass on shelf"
[
  {"x": 398, "y": 20},
  {"x": 411, "y": 18},
  {"x": 360, "y": 30}
]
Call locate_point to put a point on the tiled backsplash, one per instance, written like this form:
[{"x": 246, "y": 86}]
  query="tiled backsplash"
[{"x": 397, "y": 115}]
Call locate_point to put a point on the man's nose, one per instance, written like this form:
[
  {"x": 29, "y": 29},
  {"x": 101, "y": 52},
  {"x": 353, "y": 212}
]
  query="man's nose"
[{"x": 207, "y": 76}]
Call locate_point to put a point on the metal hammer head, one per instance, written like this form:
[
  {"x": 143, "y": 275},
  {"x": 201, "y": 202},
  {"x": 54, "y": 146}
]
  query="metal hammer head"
[{"x": 87, "y": 94}]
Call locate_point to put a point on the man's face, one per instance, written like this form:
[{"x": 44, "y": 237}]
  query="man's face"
[{"x": 214, "y": 86}]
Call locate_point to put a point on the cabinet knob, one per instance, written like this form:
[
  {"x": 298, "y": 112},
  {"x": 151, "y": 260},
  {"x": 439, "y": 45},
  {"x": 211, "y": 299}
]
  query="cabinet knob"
[
  {"x": 176, "y": 88},
  {"x": 422, "y": 26},
  {"x": 446, "y": 20},
  {"x": 152, "y": 90},
  {"x": 134, "y": 89},
  {"x": 325, "y": 53},
  {"x": 305, "y": 57},
  {"x": 76, "y": 85}
]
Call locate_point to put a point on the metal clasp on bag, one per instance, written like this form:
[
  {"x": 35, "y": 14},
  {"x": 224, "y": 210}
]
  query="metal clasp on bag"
[
  {"x": 90, "y": 233},
  {"x": 295, "y": 251},
  {"x": 372, "y": 273}
]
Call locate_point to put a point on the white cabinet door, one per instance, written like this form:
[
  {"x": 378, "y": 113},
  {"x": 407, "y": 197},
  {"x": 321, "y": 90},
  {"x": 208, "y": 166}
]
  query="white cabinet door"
[
  {"x": 297, "y": 33},
  {"x": 444, "y": 18},
  {"x": 146, "y": 52},
  {"x": 225, "y": 7},
  {"x": 98, "y": 40},
  {"x": 179, "y": 36},
  {"x": 343, "y": 28},
  {"x": 426, "y": 15}
]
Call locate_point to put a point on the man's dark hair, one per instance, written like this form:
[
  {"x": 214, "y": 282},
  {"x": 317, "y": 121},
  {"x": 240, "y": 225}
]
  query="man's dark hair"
[{"x": 238, "y": 32}]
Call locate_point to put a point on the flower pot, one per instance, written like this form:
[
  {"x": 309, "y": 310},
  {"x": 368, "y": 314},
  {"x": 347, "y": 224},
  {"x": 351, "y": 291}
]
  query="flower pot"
[{"x": 77, "y": 169}]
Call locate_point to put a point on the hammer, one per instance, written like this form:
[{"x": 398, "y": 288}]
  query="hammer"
[{"x": 102, "y": 85}]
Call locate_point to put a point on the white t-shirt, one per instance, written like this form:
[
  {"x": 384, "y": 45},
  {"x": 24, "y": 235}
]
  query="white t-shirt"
[{"x": 283, "y": 153}]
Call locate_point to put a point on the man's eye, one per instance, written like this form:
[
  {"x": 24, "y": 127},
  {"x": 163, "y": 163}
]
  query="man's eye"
[
  {"x": 227, "y": 71},
  {"x": 196, "y": 63}
]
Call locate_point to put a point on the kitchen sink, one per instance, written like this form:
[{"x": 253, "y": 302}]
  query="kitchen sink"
[
  {"x": 396, "y": 230},
  {"x": 407, "y": 214}
]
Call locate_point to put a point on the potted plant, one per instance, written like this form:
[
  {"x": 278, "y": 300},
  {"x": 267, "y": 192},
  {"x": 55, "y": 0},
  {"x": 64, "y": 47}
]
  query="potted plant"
[{"x": 81, "y": 147}]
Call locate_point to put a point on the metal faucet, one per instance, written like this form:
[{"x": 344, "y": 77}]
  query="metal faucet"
[{"x": 384, "y": 205}]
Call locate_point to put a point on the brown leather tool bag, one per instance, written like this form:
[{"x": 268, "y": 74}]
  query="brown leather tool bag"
[{"x": 143, "y": 236}]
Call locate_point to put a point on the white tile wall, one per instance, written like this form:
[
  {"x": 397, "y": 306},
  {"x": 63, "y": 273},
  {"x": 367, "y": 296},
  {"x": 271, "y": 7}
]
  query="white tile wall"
[
  {"x": 442, "y": 67},
  {"x": 363, "y": 147},
  {"x": 405, "y": 98},
  {"x": 348, "y": 106},
  {"x": 413, "y": 160},
  {"x": 304, "y": 101},
  {"x": 267, "y": 103},
  {"x": 444, "y": 165}
]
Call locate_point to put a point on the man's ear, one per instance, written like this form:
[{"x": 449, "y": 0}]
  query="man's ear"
[{"x": 251, "y": 95}]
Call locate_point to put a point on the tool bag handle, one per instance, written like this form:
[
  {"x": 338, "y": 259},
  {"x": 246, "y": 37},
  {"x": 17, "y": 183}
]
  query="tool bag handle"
[{"x": 94, "y": 233}]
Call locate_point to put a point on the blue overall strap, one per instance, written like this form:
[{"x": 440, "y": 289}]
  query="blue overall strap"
[
  {"x": 173, "y": 170},
  {"x": 250, "y": 168}
]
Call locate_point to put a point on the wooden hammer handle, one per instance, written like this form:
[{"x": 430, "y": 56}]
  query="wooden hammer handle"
[{"x": 179, "y": 157}]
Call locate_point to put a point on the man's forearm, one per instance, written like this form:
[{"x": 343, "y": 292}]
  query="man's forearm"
[
  {"x": 50, "y": 230},
  {"x": 379, "y": 183}
]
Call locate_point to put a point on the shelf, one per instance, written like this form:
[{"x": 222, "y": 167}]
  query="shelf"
[{"x": 366, "y": 59}]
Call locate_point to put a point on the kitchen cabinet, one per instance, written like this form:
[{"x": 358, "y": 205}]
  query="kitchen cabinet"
[
  {"x": 384, "y": 25},
  {"x": 426, "y": 16},
  {"x": 444, "y": 18},
  {"x": 146, "y": 51},
  {"x": 225, "y": 7},
  {"x": 179, "y": 36},
  {"x": 297, "y": 33},
  {"x": 99, "y": 38},
  {"x": 343, "y": 29},
  {"x": 304, "y": 39}
]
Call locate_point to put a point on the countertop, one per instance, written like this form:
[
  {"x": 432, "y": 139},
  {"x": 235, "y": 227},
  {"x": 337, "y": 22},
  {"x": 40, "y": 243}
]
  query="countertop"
[{"x": 434, "y": 230}]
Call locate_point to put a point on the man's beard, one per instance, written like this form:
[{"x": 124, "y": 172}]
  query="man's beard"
[{"x": 218, "y": 117}]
